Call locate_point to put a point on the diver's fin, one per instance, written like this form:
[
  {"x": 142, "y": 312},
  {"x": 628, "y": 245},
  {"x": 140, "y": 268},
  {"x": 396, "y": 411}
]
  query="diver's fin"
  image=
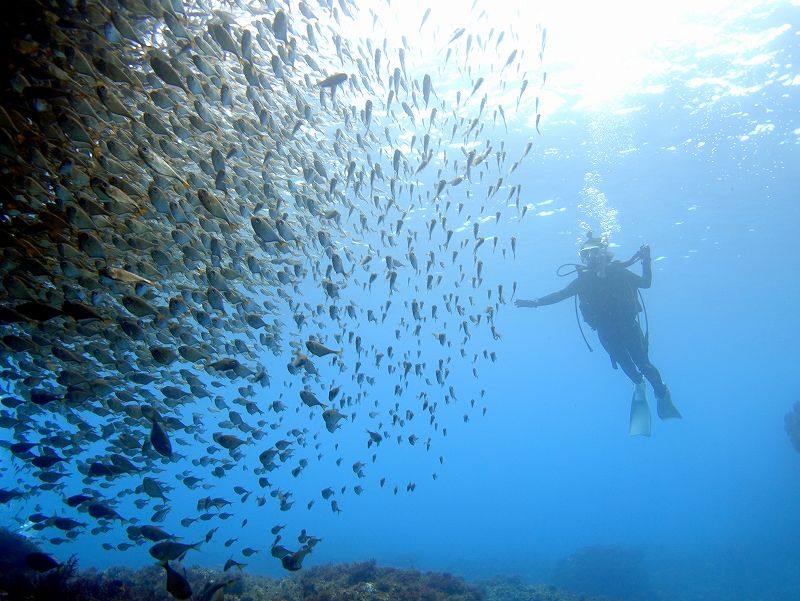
[
  {"x": 664, "y": 406},
  {"x": 640, "y": 412}
]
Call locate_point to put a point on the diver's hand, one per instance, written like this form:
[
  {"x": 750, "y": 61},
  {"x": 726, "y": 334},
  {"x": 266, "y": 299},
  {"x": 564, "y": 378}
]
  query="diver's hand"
[
  {"x": 526, "y": 303},
  {"x": 644, "y": 252}
]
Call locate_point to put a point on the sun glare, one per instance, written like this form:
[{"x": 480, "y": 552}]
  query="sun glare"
[{"x": 596, "y": 55}]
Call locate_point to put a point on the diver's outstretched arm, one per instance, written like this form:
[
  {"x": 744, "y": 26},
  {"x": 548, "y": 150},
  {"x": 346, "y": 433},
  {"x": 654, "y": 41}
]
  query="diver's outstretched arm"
[{"x": 550, "y": 299}]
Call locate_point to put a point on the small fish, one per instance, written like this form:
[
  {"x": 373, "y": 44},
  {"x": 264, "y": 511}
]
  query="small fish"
[
  {"x": 320, "y": 350},
  {"x": 456, "y": 34},
  {"x": 177, "y": 584},
  {"x": 227, "y": 364},
  {"x": 310, "y": 399},
  {"x": 138, "y": 307},
  {"x": 426, "y": 88},
  {"x": 211, "y": 591},
  {"x": 40, "y": 562},
  {"x": 510, "y": 59},
  {"x": 294, "y": 561},
  {"x": 425, "y": 17},
  {"x": 280, "y": 26},
  {"x": 171, "y": 550},
  {"x": 111, "y": 101},
  {"x": 332, "y": 418},
  {"x": 332, "y": 81},
  {"x": 165, "y": 72},
  {"x": 67, "y": 524},
  {"x": 154, "y": 533},
  {"x": 160, "y": 440},
  {"x": 37, "y": 311},
  {"x": 159, "y": 165},
  {"x": 231, "y": 563},
  {"x": 228, "y": 441},
  {"x": 46, "y": 461},
  {"x": 102, "y": 511},
  {"x": 122, "y": 275},
  {"x": 76, "y": 500},
  {"x": 477, "y": 85}
]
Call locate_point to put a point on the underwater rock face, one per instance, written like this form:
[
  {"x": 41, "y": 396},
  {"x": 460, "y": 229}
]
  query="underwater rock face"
[
  {"x": 605, "y": 571},
  {"x": 792, "y": 425}
]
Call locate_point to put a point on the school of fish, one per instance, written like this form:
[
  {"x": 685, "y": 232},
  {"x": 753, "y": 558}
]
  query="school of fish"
[{"x": 225, "y": 227}]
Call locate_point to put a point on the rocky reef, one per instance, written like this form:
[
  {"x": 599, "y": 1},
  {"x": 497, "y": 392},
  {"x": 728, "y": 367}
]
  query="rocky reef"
[
  {"x": 515, "y": 589},
  {"x": 27, "y": 573},
  {"x": 369, "y": 582}
]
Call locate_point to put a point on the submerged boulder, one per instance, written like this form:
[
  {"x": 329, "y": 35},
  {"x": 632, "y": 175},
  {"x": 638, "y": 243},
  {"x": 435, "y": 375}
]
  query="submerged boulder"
[
  {"x": 606, "y": 571},
  {"x": 792, "y": 425}
]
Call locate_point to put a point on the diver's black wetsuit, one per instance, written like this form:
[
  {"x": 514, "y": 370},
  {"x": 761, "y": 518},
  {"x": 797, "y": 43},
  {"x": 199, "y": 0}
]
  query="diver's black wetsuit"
[{"x": 609, "y": 305}]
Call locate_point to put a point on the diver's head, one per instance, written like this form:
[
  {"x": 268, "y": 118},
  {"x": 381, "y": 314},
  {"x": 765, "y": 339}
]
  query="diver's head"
[{"x": 594, "y": 253}]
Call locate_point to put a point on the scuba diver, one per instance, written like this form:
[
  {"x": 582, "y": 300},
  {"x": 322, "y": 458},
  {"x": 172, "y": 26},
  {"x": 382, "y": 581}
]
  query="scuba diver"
[{"x": 608, "y": 296}]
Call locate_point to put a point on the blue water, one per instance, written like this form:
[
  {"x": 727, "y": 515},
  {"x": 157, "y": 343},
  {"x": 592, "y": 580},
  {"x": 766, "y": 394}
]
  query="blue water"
[{"x": 710, "y": 500}]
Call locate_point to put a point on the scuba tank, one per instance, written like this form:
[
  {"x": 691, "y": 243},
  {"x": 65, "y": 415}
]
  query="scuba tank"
[{"x": 590, "y": 248}]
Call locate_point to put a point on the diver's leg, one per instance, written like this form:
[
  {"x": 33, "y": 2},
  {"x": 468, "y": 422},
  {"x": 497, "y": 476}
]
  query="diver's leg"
[
  {"x": 637, "y": 351},
  {"x": 613, "y": 342}
]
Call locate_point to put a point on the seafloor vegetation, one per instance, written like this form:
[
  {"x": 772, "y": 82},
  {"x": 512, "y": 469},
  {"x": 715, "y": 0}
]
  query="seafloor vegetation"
[{"x": 26, "y": 575}]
